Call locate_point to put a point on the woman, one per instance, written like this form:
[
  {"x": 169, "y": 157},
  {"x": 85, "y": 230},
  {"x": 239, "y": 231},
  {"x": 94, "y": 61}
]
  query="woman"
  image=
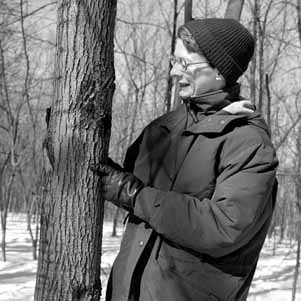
[{"x": 199, "y": 182}]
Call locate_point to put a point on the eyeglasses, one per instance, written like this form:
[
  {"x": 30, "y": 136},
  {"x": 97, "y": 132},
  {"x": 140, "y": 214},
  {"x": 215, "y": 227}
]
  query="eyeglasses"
[{"x": 182, "y": 62}]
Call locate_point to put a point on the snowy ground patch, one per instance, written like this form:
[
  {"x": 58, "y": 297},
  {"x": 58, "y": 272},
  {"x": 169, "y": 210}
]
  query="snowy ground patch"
[
  {"x": 17, "y": 274},
  {"x": 272, "y": 282},
  {"x": 273, "y": 279}
]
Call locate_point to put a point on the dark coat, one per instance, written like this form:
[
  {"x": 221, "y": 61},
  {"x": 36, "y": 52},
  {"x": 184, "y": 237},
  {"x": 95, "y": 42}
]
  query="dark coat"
[{"x": 200, "y": 223}]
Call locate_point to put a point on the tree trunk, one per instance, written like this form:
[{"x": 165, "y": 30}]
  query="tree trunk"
[
  {"x": 254, "y": 59},
  {"x": 4, "y": 212},
  {"x": 29, "y": 203},
  {"x": 188, "y": 11},
  {"x": 175, "y": 100},
  {"x": 115, "y": 222},
  {"x": 234, "y": 9},
  {"x": 269, "y": 101},
  {"x": 260, "y": 41},
  {"x": 3, "y": 240},
  {"x": 133, "y": 117},
  {"x": 296, "y": 273},
  {"x": 298, "y": 7},
  {"x": 298, "y": 183},
  {"x": 298, "y": 217},
  {"x": 78, "y": 135},
  {"x": 3, "y": 216},
  {"x": 37, "y": 230},
  {"x": 31, "y": 234},
  {"x": 168, "y": 96}
]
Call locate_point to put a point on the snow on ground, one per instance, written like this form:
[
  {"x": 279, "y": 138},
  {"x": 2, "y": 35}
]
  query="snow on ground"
[
  {"x": 273, "y": 279},
  {"x": 272, "y": 282}
]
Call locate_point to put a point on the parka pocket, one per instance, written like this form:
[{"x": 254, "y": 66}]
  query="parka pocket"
[
  {"x": 185, "y": 271},
  {"x": 196, "y": 274},
  {"x": 222, "y": 285}
]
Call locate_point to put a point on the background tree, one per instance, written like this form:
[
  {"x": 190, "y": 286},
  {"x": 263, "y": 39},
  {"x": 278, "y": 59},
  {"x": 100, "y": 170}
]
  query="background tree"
[
  {"x": 234, "y": 9},
  {"x": 23, "y": 85},
  {"x": 298, "y": 178},
  {"x": 169, "y": 97},
  {"x": 79, "y": 131}
]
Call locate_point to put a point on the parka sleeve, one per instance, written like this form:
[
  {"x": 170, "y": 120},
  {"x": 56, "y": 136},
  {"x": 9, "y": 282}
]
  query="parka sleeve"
[{"x": 240, "y": 205}]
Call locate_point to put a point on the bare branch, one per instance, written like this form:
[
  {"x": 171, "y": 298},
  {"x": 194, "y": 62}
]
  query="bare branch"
[
  {"x": 140, "y": 23},
  {"x": 134, "y": 56},
  {"x": 4, "y": 128},
  {"x": 29, "y": 14},
  {"x": 26, "y": 80}
]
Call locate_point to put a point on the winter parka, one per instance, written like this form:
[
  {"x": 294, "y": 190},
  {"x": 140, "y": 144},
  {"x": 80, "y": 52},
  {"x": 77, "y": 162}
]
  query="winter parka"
[{"x": 199, "y": 224}]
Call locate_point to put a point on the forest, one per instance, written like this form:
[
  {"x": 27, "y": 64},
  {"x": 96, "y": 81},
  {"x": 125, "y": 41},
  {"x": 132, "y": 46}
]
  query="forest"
[{"x": 54, "y": 65}]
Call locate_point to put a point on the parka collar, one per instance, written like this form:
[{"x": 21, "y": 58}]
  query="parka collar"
[
  {"x": 210, "y": 103},
  {"x": 214, "y": 123},
  {"x": 206, "y": 111}
]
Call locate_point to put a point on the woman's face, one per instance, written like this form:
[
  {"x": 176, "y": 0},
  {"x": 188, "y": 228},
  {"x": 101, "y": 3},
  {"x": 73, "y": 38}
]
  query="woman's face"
[{"x": 199, "y": 77}]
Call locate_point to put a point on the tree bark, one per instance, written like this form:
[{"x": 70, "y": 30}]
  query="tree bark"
[
  {"x": 168, "y": 96},
  {"x": 188, "y": 11},
  {"x": 298, "y": 7},
  {"x": 253, "y": 66},
  {"x": 234, "y": 9},
  {"x": 4, "y": 212},
  {"x": 78, "y": 135},
  {"x": 260, "y": 42},
  {"x": 269, "y": 101},
  {"x": 115, "y": 222},
  {"x": 296, "y": 273},
  {"x": 298, "y": 217}
]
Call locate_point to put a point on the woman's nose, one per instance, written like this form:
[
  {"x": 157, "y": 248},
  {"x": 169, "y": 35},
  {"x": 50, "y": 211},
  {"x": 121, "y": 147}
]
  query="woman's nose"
[{"x": 176, "y": 71}]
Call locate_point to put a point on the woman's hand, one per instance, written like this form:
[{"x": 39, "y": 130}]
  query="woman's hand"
[{"x": 119, "y": 187}]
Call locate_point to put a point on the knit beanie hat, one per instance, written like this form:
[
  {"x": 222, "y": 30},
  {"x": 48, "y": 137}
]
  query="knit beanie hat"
[{"x": 226, "y": 44}]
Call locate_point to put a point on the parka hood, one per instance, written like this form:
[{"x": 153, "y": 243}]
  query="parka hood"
[
  {"x": 257, "y": 120},
  {"x": 214, "y": 102}
]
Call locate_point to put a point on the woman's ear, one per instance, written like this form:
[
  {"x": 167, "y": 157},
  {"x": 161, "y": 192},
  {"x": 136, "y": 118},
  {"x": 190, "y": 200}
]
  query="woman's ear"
[{"x": 219, "y": 78}]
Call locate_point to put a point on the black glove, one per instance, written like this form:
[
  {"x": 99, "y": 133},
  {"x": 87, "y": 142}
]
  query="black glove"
[{"x": 120, "y": 188}]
